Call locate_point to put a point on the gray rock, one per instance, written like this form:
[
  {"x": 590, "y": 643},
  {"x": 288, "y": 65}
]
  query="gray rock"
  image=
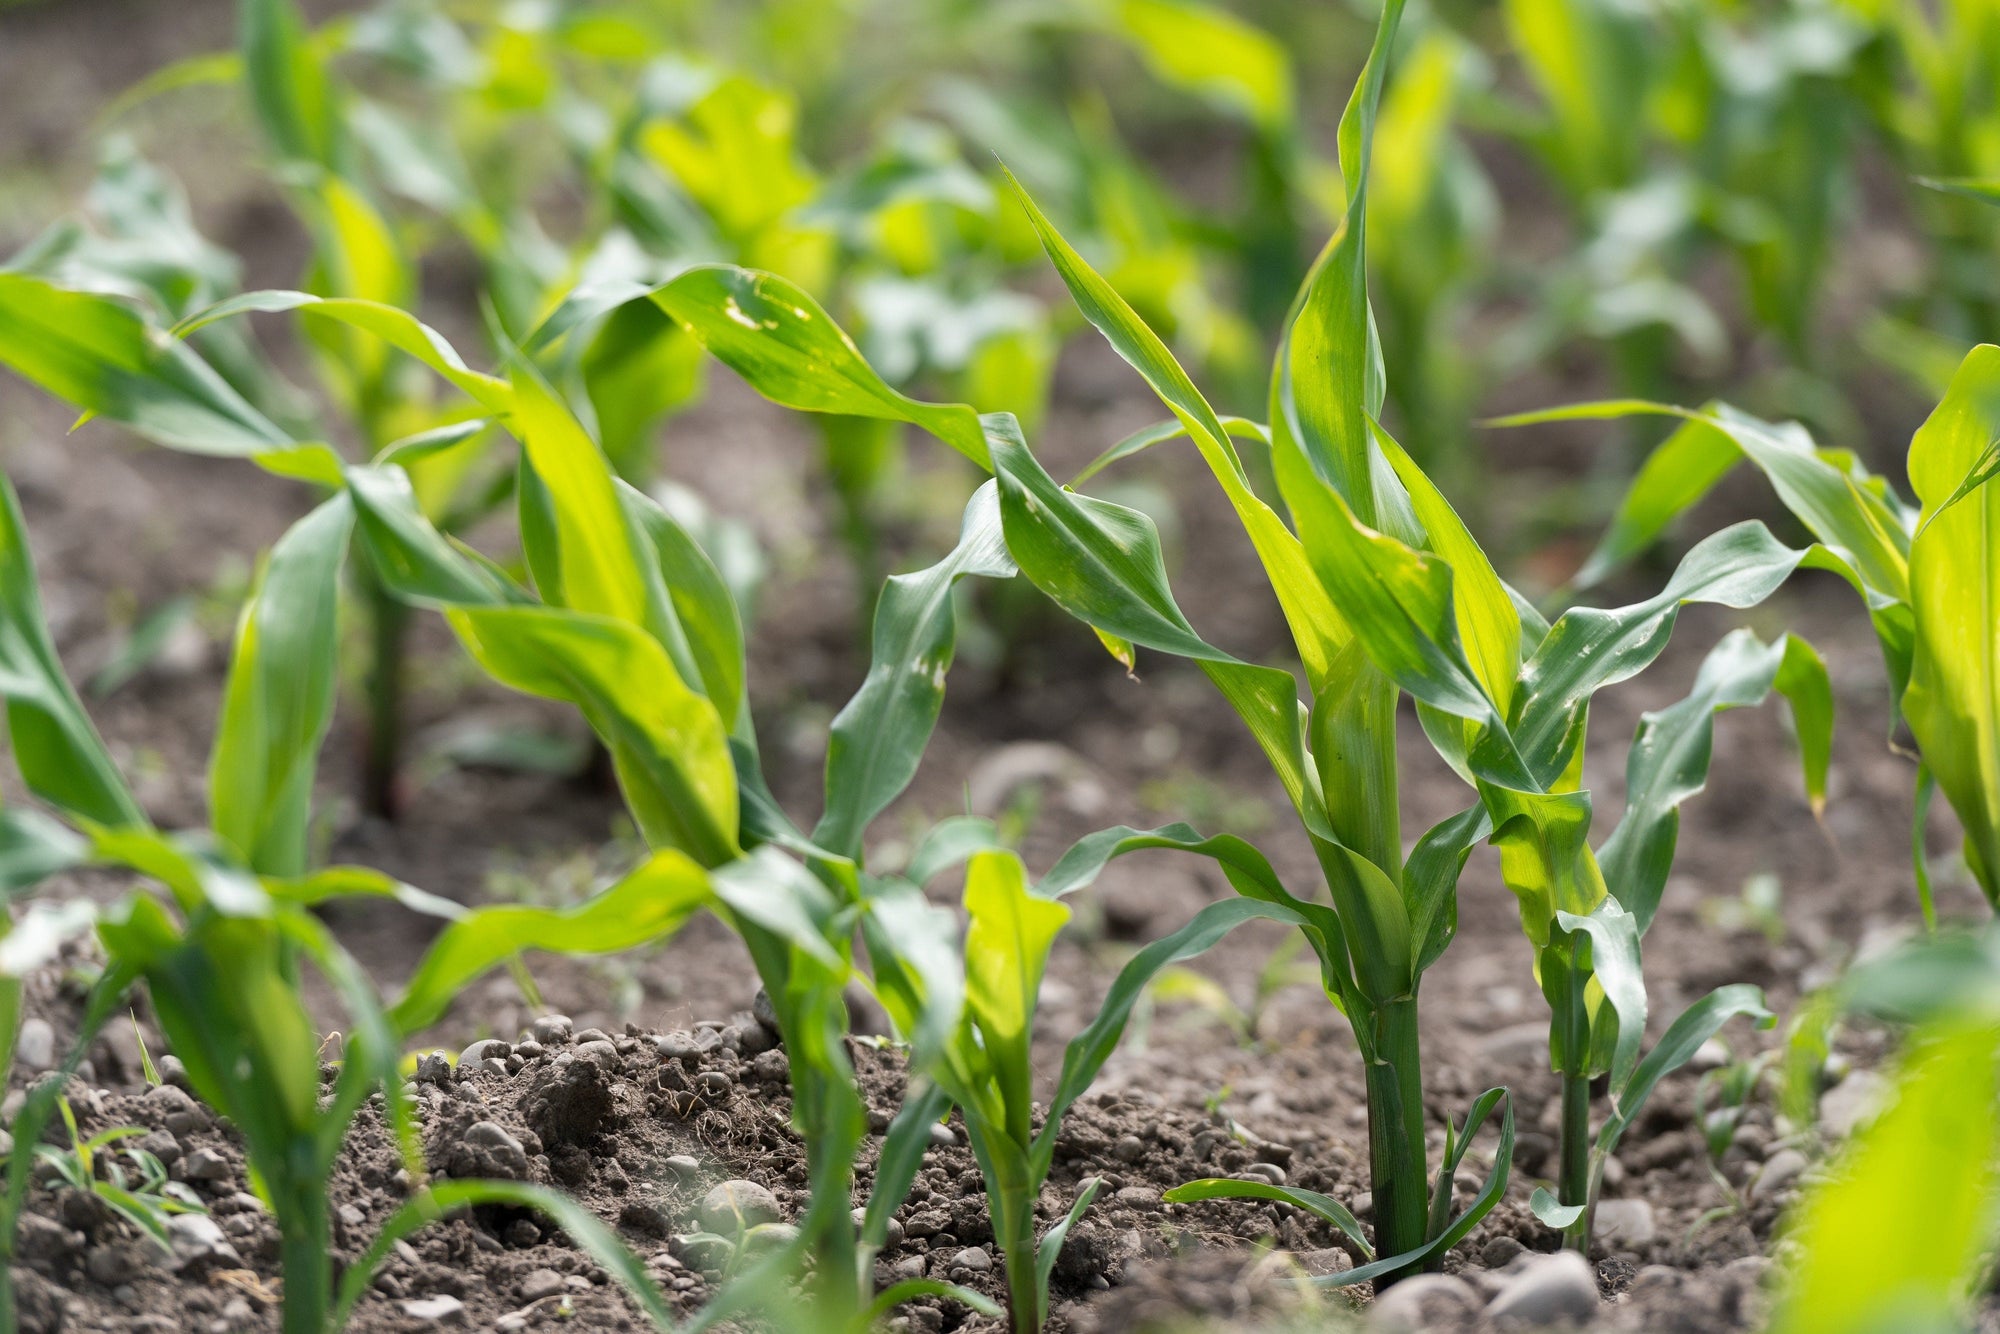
[
  {"x": 973, "y": 1259},
  {"x": 485, "y": 1049},
  {"x": 714, "y": 1083},
  {"x": 1548, "y": 1290},
  {"x": 433, "y": 1068},
  {"x": 174, "y": 1072},
  {"x": 765, "y": 1013},
  {"x": 487, "y": 1150},
  {"x": 1322, "y": 1263},
  {"x": 678, "y": 1045},
  {"x": 599, "y": 1052},
  {"x": 198, "y": 1241},
  {"x": 35, "y": 1046},
  {"x": 942, "y": 1136},
  {"x": 1781, "y": 1169},
  {"x": 1501, "y": 1251},
  {"x": 204, "y": 1165},
  {"x": 540, "y": 1283},
  {"x": 1270, "y": 1172},
  {"x": 1625, "y": 1223},
  {"x": 736, "y": 1206},
  {"x": 768, "y": 1237},
  {"x": 1424, "y": 1302},
  {"x": 440, "y": 1310},
  {"x": 114, "y": 1264},
  {"x": 682, "y": 1167},
  {"x": 1129, "y": 1149},
  {"x": 551, "y": 1030},
  {"x": 528, "y": 1050},
  {"x": 1854, "y": 1100}
]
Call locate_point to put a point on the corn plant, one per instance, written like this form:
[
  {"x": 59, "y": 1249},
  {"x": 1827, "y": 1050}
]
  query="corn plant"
[
  {"x": 137, "y": 1189},
  {"x": 1926, "y": 573},
  {"x": 221, "y": 948}
]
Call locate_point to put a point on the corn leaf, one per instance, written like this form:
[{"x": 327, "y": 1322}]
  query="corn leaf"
[
  {"x": 1676, "y": 1047},
  {"x": 1953, "y": 699},
  {"x": 773, "y": 334},
  {"x": 278, "y": 701},
  {"x": 878, "y": 738},
  {"x": 1210, "y": 51},
  {"x": 648, "y": 904},
  {"x": 1008, "y": 937},
  {"x": 1670, "y": 754},
  {"x": 56, "y": 748}
]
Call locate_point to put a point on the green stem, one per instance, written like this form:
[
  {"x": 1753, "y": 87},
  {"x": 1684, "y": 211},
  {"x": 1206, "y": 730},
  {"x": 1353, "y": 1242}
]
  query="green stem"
[
  {"x": 305, "y": 1253},
  {"x": 389, "y": 626},
  {"x": 1573, "y": 1179},
  {"x": 1397, "y": 1163}
]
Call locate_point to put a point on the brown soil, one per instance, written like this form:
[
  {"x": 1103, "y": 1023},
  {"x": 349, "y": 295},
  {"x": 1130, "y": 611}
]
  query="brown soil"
[{"x": 1061, "y": 732}]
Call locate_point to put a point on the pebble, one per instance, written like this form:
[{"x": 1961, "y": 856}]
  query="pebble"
[
  {"x": 35, "y": 1046},
  {"x": 1129, "y": 1149},
  {"x": 769, "y": 1237},
  {"x": 1549, "y": 1289},
  {"x": 1518, "y": 1044},
  {"x": 599, "y": 1052},
  {"x": 765, "y": 1013},
  {"x": 483, "y": 1050},
  {"x": 681, "y": 1046},
  {"x": 529, "y": 1050},
  {"x": 540, "y": 1283},
  {"x": 708, "y": 1254},
  {"x": 440, "y": 1310},
  {"x": 1138, "y": 1197},
  {"x": 1270, "y": 1172},
  {"x": 1624, "y": 1223},
  {"x": 1426, "y": 1301},
  {"x": 736, "y": 1205},
  {"x": 682, "y": 1167},
  {"x": 1501, "y": 1251},
  {"x": 551, "y": 1030},
  {"x": 973, "y": 1259},
  {"x": 433, "y": 1068},
  {"x": 204, "y": 1165},
  {"x": 715, "y": 1083},
  {"x": 197, "y": 1238},
  {"x": 1852, "y": 1101},
  {"x": 113, "y": 1265},
  {"x": 1781, "y": 1169},
  {"x": 942, "y": 1136},
  {"x": 174, "y": 1072}
]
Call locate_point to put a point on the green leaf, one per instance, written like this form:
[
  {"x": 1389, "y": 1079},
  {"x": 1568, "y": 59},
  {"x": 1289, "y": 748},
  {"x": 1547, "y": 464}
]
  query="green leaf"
[
  {"x": 409, "y": 555},
  {"x": 1614, "y": 964},
  {"x": 667, "y": 742},
  {"x": 58, "y": 751},
  {"x": 1211, "y": 52},
  {"x": 1953, "y": 699},
  {"x": 1008, "y": 936},
  {"x": 1695, "y": 1025},
  {"x": 1896, "y": 1237},
  {"x": 773, "y": 334},
  {"x": 99, "y": 354},
  {"x": 878, "y": 738},
  {"x": 1670, "y": 755},
  {"x": 1049, "y": 1249},
  {"x": 705, "y": 614},
  {"x": 1089, "y": 1050},
  {"x": 34, "y": 847},
  {"x": 444, "y": 1198},
  {"x": 1551, "y": 1212},
  {"x": 646, "y": 905},
  {"x": 294, "y": 100},
  {"x": 1160, "y": 433},
  {"x": 278, "y": 701},
  {"x": 398, "y": 328},
  {"x": 1430, "y": 881},
  {"x": 1324, "y": 1207}
]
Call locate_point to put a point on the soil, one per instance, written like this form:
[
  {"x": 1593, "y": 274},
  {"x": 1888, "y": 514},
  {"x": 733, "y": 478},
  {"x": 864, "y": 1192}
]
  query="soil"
[{"x": 1057, "y": 735}]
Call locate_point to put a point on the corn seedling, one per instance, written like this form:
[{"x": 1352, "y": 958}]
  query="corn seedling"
[
  {"x": 1926, "y": 572},
  {"x": 221, "y": 950},
  {"x": 136, "y": 1189}
]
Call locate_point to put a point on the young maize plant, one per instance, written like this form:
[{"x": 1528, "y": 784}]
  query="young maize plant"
[
  {"x": 1929, "y": 574},
  {"x": 1389, "y": 919},
  {"x": 221, "y": 949}
]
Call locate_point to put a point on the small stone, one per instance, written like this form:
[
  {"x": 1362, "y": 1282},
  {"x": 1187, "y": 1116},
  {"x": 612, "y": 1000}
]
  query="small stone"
[
  {"x": 1364, "y": 1204},
  {"x": 1624, "y": 1223},
  {"x": 678, "y": 1046},
  {"x": 487, "y": 1150},
  {"x": 1549, "y": 1289},
  {"x": 1517, "y": 1044},
  {"x": 483, "y": 1050},
  {"x": 161, "y": 1144},
  {"x": 765, "y": 1013},
  {"x": 1851, "y": 1102},
  {"x": 1323, "y": 1263},
  {"x": 714, "y": 1083},
  {"x": 551, "y": 1030},
  {"x": 440, "y": 1310},
  {"x": 592, "y": 1035},
  {"x": 433, "y": 1068},
  {"x": 540, "y": 1283},
  {"x": 736, "y": 1206},
  {"x": 1501, "y": 1251},
  {"x": 523, "y": 1233},
  {"x": 113, "y": 1265},
  {"x": 1138, "y": 1197},
  {"x": 706, "y": 1254},
  {"x": 750, "y": 1038},
  {"x": 1781, "y": 1169},
  {"x": 35, "y": 1046},
  {"x": 174, "y": 1073},
  {"x": 767, "y": 1237},
  {"x": 1270, "y": 1172},
  {"x": 1129, "y": 1149},
  {"x": 682, "y": 1168},
  {"x": 197, "y": 1239},
  {"x": 942, "y": 1136},
  {"x": 204, "y": 1165},
  {"x": 530, "y": 1050},
  {"x": 973, "y": 1259},
  {"x": 599, "y": 1052},
  {"x": 1426, "y": 1301}
]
